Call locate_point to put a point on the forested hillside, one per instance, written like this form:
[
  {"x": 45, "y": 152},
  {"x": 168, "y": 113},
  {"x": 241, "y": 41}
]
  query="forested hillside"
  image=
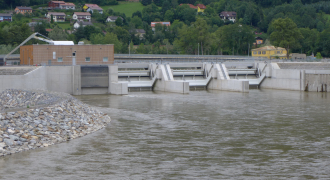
[{"x": 188, "y": 30}]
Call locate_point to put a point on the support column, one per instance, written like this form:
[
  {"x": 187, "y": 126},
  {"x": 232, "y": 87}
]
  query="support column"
[
  {"x": 114, "y": 86},
  {"x": 76, "y": 80}
]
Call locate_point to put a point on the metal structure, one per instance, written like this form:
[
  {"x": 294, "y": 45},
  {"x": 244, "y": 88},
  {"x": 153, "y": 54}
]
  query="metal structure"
[
  {"x": 34, "y": 35},
  {"x": 43, "y": 38}
]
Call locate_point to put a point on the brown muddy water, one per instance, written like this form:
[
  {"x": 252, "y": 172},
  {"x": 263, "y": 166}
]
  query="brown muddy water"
[{"x": 263, "y": 134}]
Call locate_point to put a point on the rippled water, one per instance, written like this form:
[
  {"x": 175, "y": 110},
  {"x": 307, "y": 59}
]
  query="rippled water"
[{"x": 204, "y": 135}]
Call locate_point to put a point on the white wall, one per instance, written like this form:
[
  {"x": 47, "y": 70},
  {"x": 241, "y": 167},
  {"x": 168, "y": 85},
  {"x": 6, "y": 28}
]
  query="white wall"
[
  {"x": 35, "y": 79},
  {"x": 59, "y": 78},
  {"x": 229, "y": 85}
]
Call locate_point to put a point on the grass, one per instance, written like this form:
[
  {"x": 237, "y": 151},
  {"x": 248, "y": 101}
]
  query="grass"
[
  {"x": 125, "y": 7},
  {"x": 64, "y": 25}
]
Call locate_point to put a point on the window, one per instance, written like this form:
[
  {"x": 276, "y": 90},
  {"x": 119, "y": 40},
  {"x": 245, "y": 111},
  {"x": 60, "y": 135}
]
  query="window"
[
  {"x": 254, "y": 52},
  {"x": 278, "y": 52},
  {"x": 88, "y": 59},
  {"x": 263, "y": 52},
  {"x": 105, "y": 59},
  {"x": 59, "y": 59},
  {"x": 259, "y": 52}
]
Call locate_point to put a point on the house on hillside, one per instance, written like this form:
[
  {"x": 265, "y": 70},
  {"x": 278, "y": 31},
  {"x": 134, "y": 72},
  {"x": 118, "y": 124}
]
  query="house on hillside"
[
  {"x": 153, "y": 24},
  {"x": 81, "y": 16},
  {"x": 57, "y": 16},
  {"x": 23, "y": 10},
  {"x": 77, "y": 24},
  {"x": 201, "y": 7},
  {"x": 259, "y": 40},
  {"x": 5, "y": 17},
  {"x": 92, "y": 7},
  {"x": 67, "y": 6},
  {"x": 113, "y": 18},
  {"x": 55, "y": 4},
  {"x": 228, "y": 15},
  {"x": 139, "y": 33},
  {"x": 270, "y": 52}
]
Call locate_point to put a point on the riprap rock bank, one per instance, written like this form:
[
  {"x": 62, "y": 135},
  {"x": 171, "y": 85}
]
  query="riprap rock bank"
[{"x": 33, "y": 119}]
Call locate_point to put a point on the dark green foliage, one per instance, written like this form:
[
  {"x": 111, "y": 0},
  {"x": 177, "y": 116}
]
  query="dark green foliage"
[
  {"x": 137, "y": 13},
  {"x": 146, "y": 2}
]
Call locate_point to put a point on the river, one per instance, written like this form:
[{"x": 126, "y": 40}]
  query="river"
[{"x": 263, "y": 134}]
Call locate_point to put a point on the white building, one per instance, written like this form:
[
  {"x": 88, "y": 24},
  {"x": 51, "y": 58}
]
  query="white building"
[
  {"x": 228, "y": 15},
  {"x": 113, "y": 18},
  {"x": 81, "y": 16}
]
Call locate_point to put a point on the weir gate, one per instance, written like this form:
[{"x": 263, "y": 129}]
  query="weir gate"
[{"x": 143, "y": 76}]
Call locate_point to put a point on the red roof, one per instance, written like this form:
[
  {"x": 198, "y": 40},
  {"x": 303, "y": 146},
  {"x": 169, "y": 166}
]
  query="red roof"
[
  {"x": 58, "y": 2},
  {"x": 202, "y": 6},
  {"x": 91, "y": 5},
  {"x": 190, "y": 5},
  {"x": 82, "y": 13},
  {"x": 228, "y": 13},
  {"x": 48, "y": 30}
]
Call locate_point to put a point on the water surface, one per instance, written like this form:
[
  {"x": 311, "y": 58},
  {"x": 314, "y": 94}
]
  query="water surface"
[{"x": 263, "y": 134}]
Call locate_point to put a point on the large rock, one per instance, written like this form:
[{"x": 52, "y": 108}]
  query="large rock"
[{"x": 59, "y": 117}]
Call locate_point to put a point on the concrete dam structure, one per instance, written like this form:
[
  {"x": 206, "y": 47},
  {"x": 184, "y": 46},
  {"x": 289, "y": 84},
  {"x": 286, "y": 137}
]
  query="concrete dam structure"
[{"x": 174, "y": 77}]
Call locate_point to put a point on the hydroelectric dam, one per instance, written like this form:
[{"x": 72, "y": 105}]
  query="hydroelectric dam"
[{"x": 170, "y": 73}]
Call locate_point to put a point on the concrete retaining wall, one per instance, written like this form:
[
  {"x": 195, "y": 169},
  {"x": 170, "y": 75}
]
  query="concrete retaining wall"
[
  {"x": 286, "y": 79},
  {"x": 317, "y": 80},
  {"x": 35, "y": 79},
  {"x": 59, "y": 78},
  {"x": 229, "y": 85}
]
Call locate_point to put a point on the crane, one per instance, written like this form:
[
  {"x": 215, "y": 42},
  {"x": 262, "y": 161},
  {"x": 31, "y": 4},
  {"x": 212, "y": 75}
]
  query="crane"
[{"x": 34, "y": 35}]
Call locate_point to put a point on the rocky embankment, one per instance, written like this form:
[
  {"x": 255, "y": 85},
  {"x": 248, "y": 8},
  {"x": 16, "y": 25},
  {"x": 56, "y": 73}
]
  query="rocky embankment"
[{"x": 33, "y": 119}]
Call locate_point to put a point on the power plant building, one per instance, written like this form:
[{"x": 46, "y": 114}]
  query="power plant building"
[{"x": 47, "y": 54}]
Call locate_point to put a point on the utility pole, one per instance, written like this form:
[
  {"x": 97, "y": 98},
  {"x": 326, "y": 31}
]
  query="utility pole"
[{"x": 129, "y": 48}]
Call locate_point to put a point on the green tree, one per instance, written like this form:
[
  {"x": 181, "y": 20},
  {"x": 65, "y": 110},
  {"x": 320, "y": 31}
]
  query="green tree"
[
  {"x": 323, "y": 44},
  {"x": 203, "y": 35},
  {"x": 111, "y": 38},
  {"x": 119, "y": 21},
  {"x": 169, "y": 16},
  {"x": 286, "y": 34},
  {"x": 51, "y": 19},
  {"x": 318, "y": 55},
  {"x": 57, "y": 34},
  {"x": 146, "y": 2},
  {"x": 97, "y": 38},
  {"x": 41, "y": 28}
]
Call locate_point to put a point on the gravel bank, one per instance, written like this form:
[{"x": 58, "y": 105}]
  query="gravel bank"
[{"x": 33, "y": 119}]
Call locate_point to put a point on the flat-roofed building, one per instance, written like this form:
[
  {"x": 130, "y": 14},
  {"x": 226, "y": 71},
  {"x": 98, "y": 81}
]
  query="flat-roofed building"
[{"x": 46, "y": 54}]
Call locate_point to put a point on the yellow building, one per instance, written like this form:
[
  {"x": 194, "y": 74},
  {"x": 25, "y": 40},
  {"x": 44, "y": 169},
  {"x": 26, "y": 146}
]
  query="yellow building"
[
  {"x": 270, "y": 52},
  {"x": 201, "y": 7}
]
